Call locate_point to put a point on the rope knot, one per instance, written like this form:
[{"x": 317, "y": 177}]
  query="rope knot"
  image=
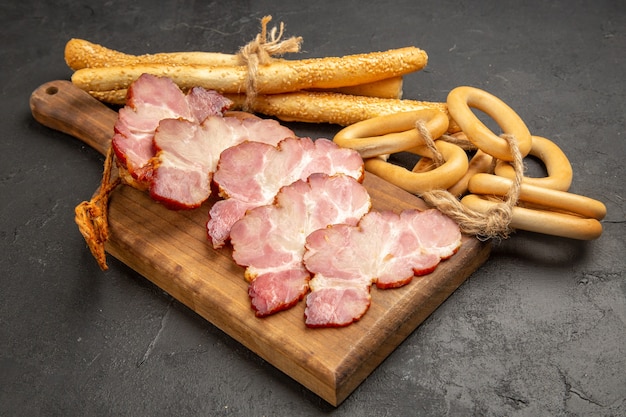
[
  {"x": 494, "y": 222},
  {"x": 260, "y": 50},
  {"x": 437, "y": 157}
]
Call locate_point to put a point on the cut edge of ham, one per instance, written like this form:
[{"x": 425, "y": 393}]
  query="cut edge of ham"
[
  {"x": 250, "y": 174},
  {"x": 335, "y": 302},
  {"x": 151, "y": 99},
  {"x": 273, "y": 292},
  {"x": 189, "y": 154},
  {"x": 271, "y": 251},
  {"x": 384, "y": 249}
]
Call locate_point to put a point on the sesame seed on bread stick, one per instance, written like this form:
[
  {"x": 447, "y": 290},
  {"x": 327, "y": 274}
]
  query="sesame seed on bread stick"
[
  {"x": 335, "y": 108},
  {"x": 388, "y": 88},
  {"x": 80, "y": 54},
  {"x": 279, "y": 76}
]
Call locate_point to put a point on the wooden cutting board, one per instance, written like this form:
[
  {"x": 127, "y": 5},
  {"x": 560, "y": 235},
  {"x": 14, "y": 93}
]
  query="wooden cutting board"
[{"x": 170, "y": 248}]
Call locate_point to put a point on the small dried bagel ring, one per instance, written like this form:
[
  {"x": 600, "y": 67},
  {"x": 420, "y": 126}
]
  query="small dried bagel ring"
[
  {"x": 459, "y": 102},
  {"x": 424, "y": 164},
  {"x": 557, "y": 165},
  {"x": 457, "y": 138},
  {"x": 391, "y": 133},
  {"x": 542, "y": 221},
  {"x": 480, "y": 163},
  {"x": 442, "y": 177},
  {"x": 550, "y": 199}
]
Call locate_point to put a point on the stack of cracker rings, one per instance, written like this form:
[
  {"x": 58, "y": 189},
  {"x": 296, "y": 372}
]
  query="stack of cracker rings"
[{"x": 495, "y": 196}]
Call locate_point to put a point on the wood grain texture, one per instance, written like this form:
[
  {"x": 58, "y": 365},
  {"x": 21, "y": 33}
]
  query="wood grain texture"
[{"x": 170, "y": 248}]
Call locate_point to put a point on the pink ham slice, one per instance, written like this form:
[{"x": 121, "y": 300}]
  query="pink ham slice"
[
  {"x": 385, "y": 248},
  {"x": 251, "y": 174},
  {"x": 269, "y": 240},
  {"x": 188, "y": 154},
  {"x": 151, "y": 99}
]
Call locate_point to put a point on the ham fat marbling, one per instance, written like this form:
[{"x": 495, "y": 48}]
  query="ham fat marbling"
[
  {"x": 170, "y": 142},
  {"x": 188, "y": 154},
  {"x": 251, "y": 174},
  {"x": 151, "y": 99},
  {"x": 385, "y": 249},
  {"x": 269, "y": 240}
]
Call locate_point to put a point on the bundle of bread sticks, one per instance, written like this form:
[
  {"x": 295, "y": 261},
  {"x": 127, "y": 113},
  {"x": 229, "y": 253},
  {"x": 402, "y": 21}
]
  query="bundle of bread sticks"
[{"x": 339, "y": 90}]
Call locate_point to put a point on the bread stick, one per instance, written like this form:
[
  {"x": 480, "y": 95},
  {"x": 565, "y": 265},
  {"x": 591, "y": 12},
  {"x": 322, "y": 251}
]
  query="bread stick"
[
  {"x": 279, "y": 76},
  {"x": 388, "y": 88},
  {"x": 314, "y": 107},
  {"x": 340, "y": 109},
  {"x": 116, "y": 97},
  {"x": 80, "y": 54}
]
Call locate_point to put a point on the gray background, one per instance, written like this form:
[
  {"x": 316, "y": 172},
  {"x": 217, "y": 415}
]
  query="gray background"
[{"x": 538, "y": 330}]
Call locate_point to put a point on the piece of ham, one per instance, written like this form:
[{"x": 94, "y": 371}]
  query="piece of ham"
[
  {"x": 269, "y": 240},
  {"x": 187, "y": 154},
  {"x": 385, "y": 249},
  {"x": 251, "y": 174},
  {"x": 151, "y": 99}
]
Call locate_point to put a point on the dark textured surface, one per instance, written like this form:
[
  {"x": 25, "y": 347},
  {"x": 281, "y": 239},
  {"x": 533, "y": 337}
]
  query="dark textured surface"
[{"x": 538, "y": 330}]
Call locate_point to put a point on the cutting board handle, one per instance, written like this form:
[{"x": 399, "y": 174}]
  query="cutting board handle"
[{"x": 62, "y": 106}]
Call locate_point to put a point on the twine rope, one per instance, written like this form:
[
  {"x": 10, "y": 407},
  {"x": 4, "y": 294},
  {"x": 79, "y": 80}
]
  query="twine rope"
[
  {"x": 464, "y": 144},
  {"x": 91, "y": 216},
  {"x": 495, "y": 222},
  {"x": 260, "y": 50},
  {"x": 437, "y": 157},
  {"x": 429, "y": 142}
]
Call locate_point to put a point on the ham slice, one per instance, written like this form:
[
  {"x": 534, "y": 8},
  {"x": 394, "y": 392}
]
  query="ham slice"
[
  {"x": 188, "y": 154},
  {"x": 151, "y": 99},
  {"x": 269, "y": 240},
  {"x": 251, "y": 174},
  {"x": 385, "y": 248}
]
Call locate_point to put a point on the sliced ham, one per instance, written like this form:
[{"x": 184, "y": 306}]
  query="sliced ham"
[
  {"x": 269, "y": 240},
  {"x": 251, "y": 174},
  {"x": 385, "y": 249},
  {"x": 188, "y": 154},
  {"x": 151, "y": 99}
]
